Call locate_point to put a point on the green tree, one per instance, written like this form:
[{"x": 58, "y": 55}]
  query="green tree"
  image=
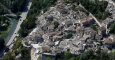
[
  {"x": 23, "y": 32},
  {"x": 25, "y": 54},
  {"x": 112, "y": 56},
  {"x": 112, "y": 28},
  {"x": 89, "y": 55},
  {"x": 48, "y": 58},
  {"x": 67, "y": 55},
  {"x": 72, "y": 58},
  {"x": 8, "y": 56},
  {"x": 17, "y": 46},
  {"x": 56, "y": 24},
  {"x": 2, "y": 43}
]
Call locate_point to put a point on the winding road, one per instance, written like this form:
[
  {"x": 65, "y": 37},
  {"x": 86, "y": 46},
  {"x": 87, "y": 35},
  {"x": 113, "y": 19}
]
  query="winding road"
[{"x": 23, "y": 17}]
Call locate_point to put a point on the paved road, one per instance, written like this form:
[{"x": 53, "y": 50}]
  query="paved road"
[{"x": 23, "y": 17}]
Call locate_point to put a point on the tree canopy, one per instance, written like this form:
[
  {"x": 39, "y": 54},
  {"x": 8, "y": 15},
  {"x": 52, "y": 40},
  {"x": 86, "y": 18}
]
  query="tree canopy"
[
  {"x": 96, "y": 7},
  {"x": 88, "y": 55},
  {"x": 2, "y": 43},
  {"x": 36, "y": 8}
]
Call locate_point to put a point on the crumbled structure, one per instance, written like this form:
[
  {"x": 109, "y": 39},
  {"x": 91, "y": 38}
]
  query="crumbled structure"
[
  {"x": 109, "y": 42},
  {"x": 86, "y": 22},
  {"x": 61, "y": 29}
]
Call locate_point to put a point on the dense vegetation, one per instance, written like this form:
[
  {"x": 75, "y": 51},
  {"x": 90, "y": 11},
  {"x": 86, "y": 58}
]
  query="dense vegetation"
[
  {"x": 14, "y": 6},
  {"x": 112, "y": 28},
  {"x": 10, "y": 7},
  {"x": 17, "y": 49},
  {"x": 96, "y": 7},
  {"x": 26, "y": 27},
  {"x": 4, "y": 23},
  {"x": 94, "y": 27},
  {"x": 3, "y": 10},
  {"x": 2, "y": 43},
  {"x": 36, "y": 8},
  {"x": 89, "y": 55},
  {"x": 8, "y": 56}
]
